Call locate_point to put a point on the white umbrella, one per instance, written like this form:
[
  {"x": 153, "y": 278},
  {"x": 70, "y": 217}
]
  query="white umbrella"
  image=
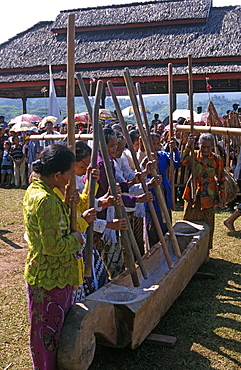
[
  {"x": 42, "y": 123},
  {"x": 22, "y": 126},
  {"x": 185, "y": 113},
  {"x": 128, "y": 112}
]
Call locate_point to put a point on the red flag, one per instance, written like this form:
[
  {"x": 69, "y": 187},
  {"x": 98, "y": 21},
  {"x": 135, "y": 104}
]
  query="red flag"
[{"x": 208, "y": 86}]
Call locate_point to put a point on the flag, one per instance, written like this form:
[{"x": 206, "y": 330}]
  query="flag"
[
  {"x": 53, "y": 103},
  {"x": 208, "y": 86}
]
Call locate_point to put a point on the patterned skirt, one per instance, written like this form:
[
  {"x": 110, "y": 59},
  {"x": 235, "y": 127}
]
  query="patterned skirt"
[
  {"x": 196, "y": 214},
  {"x": 47, "y": 311},
  {"x": 137, "y": 228},
  {"x": 112, "y": 255},
  {"x": 97, "y": 279}
]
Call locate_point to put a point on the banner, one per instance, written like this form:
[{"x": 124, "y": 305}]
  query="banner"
[{"x": 53, "y": 103}]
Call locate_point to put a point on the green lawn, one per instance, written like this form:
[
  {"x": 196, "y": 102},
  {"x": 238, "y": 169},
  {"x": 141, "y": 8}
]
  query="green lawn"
[{"x": 206, "y": 318}]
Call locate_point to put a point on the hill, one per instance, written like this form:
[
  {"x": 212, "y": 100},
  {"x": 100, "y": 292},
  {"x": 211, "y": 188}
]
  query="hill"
[{"x": 10, "y": 108}]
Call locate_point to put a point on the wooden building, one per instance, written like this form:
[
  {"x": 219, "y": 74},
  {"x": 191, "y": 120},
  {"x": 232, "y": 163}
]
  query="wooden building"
[{"x": 144, "y": 37}]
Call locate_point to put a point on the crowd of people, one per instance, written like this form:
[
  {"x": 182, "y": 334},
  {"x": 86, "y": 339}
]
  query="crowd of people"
[{"x": 54, "y": 269}]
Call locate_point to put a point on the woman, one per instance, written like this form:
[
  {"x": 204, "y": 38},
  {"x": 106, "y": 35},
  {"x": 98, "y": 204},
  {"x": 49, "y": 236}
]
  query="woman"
[
  {"x": 51, "y": 268},
  {"x": 209, "y": 183},
  {"x": 99, "y": 275},
  {"x": 163, "y": 163},
  {"x": 108, "y": 243}
]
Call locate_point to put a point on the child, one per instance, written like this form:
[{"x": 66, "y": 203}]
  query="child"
[
  {"x": 18, "y": 158},
  {"x": 7, "y": 164}
]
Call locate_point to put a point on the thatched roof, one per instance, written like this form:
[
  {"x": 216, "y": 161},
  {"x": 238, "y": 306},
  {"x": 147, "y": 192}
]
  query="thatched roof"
[
  {"x": 215, "y": 44},
  {"x": 148, "y": 12},
  {"x": 220, "y": 36}
]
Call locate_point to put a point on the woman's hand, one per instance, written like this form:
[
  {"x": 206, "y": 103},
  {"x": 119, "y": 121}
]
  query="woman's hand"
[
  {"x": 75, "y": 198},
  {"x": 190, "y": 140},
  {"x": 154, "y": 181},
  {"x": 117, "y": 224},
  {"x": 110, "y": 200},
  {"x": 95, "y": 172},
  {"x": 172, "y": 143},
  {"x": 139, "y": 177},
  {"x": 145, "y": 197},
  {"x": 89, "y": 215},
  {"x": 118, "y": 188},
  {"x": 151, "y": 165}
]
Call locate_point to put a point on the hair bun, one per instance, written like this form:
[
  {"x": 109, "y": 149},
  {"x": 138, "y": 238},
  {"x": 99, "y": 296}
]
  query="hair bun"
[{"x": 37, "y": 166}]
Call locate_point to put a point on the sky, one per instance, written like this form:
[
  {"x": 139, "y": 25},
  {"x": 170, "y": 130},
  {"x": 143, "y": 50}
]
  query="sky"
[{"x": 19, "y": 15}]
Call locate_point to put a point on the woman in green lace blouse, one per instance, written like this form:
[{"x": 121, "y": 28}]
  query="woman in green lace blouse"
[{"x": 51, "y": 268}]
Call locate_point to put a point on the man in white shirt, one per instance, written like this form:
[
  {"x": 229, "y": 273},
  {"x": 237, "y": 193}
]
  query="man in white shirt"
[{"x": 49, "y": 131}]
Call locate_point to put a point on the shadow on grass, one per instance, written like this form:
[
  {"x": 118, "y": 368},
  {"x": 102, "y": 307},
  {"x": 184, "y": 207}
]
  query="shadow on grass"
[
  {"x": 205, "y": 321},
  {"x": 7, "y": 241},
  {"x": 236, "y": 235}
]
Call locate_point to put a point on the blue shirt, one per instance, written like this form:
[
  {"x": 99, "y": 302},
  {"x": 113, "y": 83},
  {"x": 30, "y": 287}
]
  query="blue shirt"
[{"x": 163, "y": 164}]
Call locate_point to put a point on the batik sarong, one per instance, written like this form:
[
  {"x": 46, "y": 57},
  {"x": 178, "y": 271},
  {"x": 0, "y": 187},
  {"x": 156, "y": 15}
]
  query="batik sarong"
[{"x": 47, "y": 311}]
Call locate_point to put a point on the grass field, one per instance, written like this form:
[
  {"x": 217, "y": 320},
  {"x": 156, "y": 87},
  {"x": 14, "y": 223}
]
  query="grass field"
[{"x": 206, "y": 318}]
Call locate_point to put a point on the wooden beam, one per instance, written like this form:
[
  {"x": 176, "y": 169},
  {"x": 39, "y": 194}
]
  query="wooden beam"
[
  {"x": 205, "y": 275},
  {"x": 132, "y": 25},
  {"x": 161, "y": 340}
]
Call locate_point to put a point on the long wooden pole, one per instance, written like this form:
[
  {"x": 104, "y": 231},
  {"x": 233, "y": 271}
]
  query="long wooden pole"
[
  {"x": 160, "y": 196},
  {"x": 190, "y": 92},
  {"x": 137, "y": 165},
  {"x": 70, "y": 108},
  {"x": 84, "y": 93},
  {"x": 84, "y": 137},
  {"x": 138, "y": 88},
  {"x": 171, "y": 168},
  {"x": 92, "y": 180},
  {"x": 127, "y": 236},
  {"x": 118, "y": 209},
  {"x": 211, "y": 130}
]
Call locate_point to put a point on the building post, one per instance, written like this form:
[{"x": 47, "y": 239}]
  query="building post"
[{"x": 24, "y": 100}]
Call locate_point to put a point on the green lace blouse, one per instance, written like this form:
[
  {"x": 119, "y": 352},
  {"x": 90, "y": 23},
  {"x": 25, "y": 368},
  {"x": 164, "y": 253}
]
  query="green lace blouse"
[{"x": 51, "y": 260}]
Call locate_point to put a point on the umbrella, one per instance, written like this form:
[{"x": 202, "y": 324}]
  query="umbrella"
[
  {"x": 42, "y": 123},
  {"x": 22, "y": 126},
  {"x": 128, "y": 112},
  {"x": 185, "y": 113},
  {"x": 106, "y": 115},
  {"x": 25, "y": 118},
  {"x": 79, "y": 118}
]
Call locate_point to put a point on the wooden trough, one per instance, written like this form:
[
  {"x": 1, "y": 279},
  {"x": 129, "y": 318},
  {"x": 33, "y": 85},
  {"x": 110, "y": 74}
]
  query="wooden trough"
[{"x": 119, "y": 314}]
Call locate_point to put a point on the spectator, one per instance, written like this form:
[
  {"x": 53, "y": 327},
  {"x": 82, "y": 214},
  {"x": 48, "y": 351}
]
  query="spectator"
[
  {"x": 49, "y": 131},
  {"x": 6, "y": 166},
  {"x": 33, "y": 151},
  {"x": 156, "y": 122},
  {"x": 19, "y": 162},
  {"x": 2, "y": 122}
]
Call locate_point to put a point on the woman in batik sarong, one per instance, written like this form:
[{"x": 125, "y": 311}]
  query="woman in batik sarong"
[
  {"x": 51, "y": 268},
  {"x": 99, "y": 276},
  {"x": 108, "y": 242},
  {"x": 209, "y": 183}
]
